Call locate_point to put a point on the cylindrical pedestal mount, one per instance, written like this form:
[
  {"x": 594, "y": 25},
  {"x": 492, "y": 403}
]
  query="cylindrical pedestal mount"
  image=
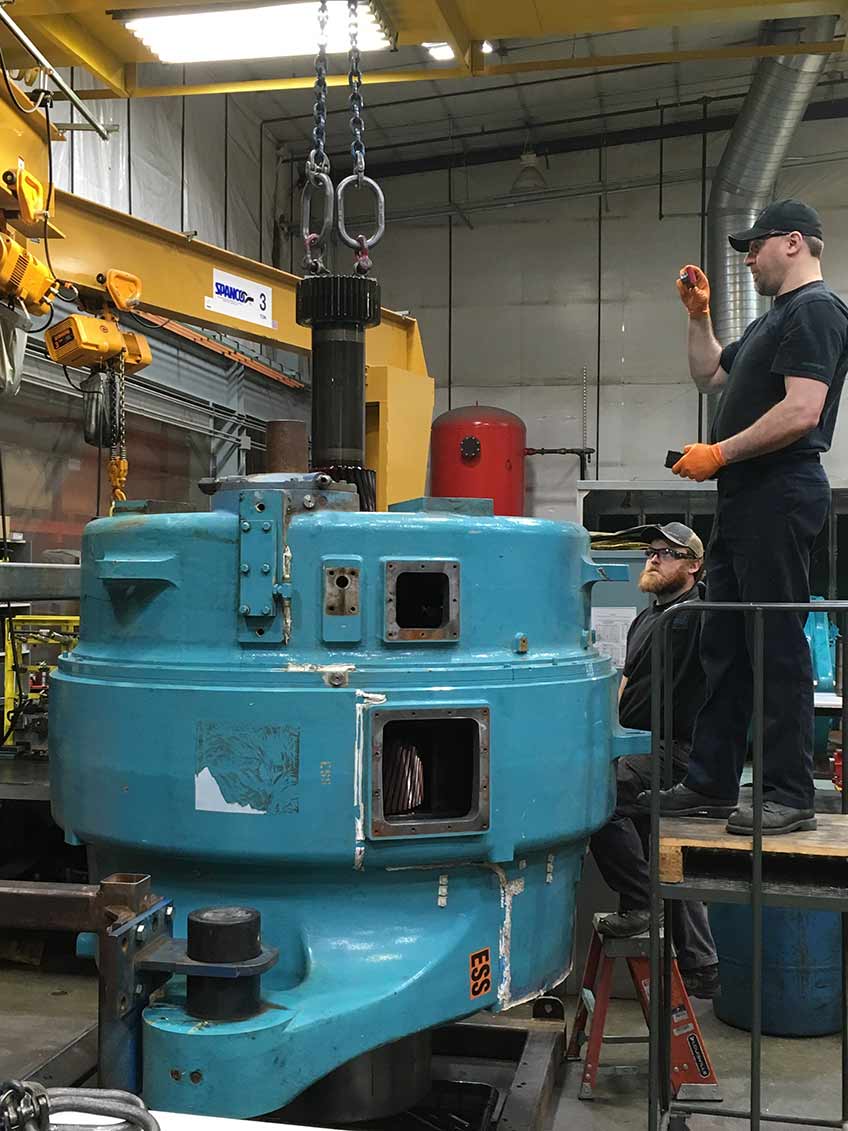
[{"x": 223, "y": 934}]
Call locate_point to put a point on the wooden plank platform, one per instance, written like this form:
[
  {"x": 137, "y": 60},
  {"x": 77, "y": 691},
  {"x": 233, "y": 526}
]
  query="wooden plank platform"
[{"x": 677, "y": 835}]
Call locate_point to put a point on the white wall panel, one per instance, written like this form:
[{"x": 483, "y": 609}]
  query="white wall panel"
[
  {"x": 243, "y": 181},
  {"x": 101, "y": 167},
  {"x": 155, "y": 154},
  {"x": 205, "y": 167},
  {"x": 63, "y": 112}
]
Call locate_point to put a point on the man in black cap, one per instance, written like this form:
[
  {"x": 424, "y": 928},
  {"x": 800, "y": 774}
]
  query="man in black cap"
[
  {"x": 674, "y": 563},
  {"x": 780, "y": 386}
]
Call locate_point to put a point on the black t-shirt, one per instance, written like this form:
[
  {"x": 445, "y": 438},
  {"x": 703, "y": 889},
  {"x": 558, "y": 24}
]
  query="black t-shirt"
[
  {"x": 634, "y": 708},
  {"x": 805, "y": 334}
]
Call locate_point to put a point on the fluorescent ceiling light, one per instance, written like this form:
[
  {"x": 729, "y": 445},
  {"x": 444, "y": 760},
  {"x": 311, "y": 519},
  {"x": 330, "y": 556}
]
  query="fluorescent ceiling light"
[
  {"x": 272, "y": 31},
  {"x": 441, "y": 52}
]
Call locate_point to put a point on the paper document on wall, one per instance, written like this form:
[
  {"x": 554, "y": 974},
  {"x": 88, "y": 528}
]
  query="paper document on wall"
[{"x": 610, "y": 625}]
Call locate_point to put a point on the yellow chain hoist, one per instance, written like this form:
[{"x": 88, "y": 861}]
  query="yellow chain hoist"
[{"x": 99, "y": 344}]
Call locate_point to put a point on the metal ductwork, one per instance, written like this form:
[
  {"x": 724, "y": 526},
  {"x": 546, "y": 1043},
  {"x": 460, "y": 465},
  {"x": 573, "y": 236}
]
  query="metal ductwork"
[{"x": 780, "y": 92}]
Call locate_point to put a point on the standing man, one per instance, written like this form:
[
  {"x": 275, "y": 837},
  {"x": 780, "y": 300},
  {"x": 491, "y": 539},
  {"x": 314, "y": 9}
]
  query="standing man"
[
  {"x": 675, "y": 562},
  {"x": 780, "y": 386}
]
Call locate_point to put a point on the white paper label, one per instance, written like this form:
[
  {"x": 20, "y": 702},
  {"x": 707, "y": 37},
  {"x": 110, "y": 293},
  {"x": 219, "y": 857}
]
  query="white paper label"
[
  {"x": 240, "y": 298},
  {"x": 611, "y": 624}
]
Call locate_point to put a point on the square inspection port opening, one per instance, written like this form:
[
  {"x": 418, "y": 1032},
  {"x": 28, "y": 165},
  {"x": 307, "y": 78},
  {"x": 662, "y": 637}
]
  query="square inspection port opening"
[
  {"x": 431, "y": 774},
  {"x": 422, "y": 601}
]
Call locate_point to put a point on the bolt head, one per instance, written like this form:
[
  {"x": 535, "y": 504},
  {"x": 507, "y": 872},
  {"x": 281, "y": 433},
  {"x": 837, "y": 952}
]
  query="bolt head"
[
  {"x": 266, "y": 568},
  {"x": 308, "y": 502},
  {"x": 266, "y": 609},
  {"x": 245, "y": 527},
  {"x": 244, "y": 610},
  {"x": 336, "y": 679},
  {"x": 245, "y": 568},
  {"x": 266, "y": 526}
]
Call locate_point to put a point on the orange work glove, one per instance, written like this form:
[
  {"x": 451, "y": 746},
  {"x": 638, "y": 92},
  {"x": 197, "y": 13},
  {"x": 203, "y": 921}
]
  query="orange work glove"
[
  {"x": 695, "y": 296},
  {"x": 699, "y": 462}
]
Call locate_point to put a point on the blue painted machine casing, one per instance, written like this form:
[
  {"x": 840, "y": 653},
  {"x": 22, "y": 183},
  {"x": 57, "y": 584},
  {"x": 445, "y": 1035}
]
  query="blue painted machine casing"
[{"x": 239, "y": 766}]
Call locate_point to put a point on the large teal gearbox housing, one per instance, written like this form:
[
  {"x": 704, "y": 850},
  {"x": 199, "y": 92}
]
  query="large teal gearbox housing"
[{"x": 389, "y": 733}]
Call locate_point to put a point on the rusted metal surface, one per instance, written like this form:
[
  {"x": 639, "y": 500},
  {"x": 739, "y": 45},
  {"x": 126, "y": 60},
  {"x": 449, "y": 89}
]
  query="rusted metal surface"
[
  {"x": 286, "y": 446},
  {"x": 422, "y": 600},
  {"x": 43, "y": 906}
]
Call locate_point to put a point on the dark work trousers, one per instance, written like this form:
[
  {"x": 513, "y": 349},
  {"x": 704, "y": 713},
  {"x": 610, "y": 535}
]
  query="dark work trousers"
[
  {"x": 621, "y": 851},
  {"x": 766, "y": 522}
]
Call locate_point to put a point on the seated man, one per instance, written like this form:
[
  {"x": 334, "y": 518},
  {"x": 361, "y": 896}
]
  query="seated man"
[{"x": 675, "y": 562}]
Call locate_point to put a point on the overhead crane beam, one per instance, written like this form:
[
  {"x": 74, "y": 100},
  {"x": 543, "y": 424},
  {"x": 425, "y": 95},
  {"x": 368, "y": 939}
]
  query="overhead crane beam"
[
  {"x": 178, "y": 272},
  {"x": 73, "y": 38},
  {"x": 456, "y": 31},
  {"x": 178, "y": 280},
  {"x": 82, "y": 33},
  {"x": 427, "y": 74}
]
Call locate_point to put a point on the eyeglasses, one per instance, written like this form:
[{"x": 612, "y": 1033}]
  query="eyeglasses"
[
  {"x": 756, "y": 246},
  {"x": 665, "y": 554}
]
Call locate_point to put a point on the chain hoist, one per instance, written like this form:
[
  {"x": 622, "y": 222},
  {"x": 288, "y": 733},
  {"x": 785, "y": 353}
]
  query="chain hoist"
[
  {"x": 118, "y": 464},
  {"x": 318, "y": 163}
]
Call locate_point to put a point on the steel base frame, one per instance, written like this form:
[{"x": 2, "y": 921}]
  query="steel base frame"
[{"x": 664, "y": 1114}]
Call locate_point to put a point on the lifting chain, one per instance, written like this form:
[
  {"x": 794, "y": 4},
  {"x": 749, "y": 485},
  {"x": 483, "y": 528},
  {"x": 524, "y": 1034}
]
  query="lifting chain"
[
  {"x": 354, "y": 82},
  {"x": 361, "y": 259},
  {"x": 118, "y": 464},
  {"x": 318, "y": 163}
]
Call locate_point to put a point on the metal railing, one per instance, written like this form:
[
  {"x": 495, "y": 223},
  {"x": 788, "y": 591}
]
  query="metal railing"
[{"x": 663, "y": 1112}]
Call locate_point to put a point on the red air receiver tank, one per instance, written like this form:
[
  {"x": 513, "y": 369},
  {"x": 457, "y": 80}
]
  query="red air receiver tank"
[{"x": 478, "y": 453}]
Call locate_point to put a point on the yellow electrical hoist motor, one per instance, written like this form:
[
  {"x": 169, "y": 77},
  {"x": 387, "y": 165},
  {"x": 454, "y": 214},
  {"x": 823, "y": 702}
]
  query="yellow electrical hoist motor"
[
  {"x": 25, "y": 277},
  {"x": 83, "y": 342}
]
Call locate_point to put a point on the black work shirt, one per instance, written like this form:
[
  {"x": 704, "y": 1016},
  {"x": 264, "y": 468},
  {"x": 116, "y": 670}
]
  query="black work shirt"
[
  {"x": 805, "y": 334},
  {"x": 634, "y": 708}
]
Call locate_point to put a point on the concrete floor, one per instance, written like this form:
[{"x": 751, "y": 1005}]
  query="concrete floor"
[
  {"x": 799, "y": 1077},
  {"x": 41, "y": 1012}
]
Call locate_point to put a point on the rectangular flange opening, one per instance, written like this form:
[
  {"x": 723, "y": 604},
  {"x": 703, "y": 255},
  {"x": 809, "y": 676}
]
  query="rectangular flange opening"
[
  {"x": 430, "y": 772},
  {"x": 422, "y": 601}
]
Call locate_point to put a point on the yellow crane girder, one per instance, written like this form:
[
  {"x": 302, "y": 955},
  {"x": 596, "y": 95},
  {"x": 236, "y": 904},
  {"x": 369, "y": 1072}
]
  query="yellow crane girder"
[
  {"x": 82, "y": 33},
  {"x": 178, "y": 276}
]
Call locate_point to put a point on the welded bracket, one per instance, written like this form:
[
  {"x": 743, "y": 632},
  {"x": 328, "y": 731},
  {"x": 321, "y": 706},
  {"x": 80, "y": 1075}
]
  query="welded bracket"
[{"x": 264, "y": 588}]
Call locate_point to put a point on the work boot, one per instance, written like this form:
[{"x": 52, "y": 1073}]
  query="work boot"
[
  {"x": 777, "y": 819},
  {"x": 625, "y": 924},
  {"x": 703, "y": 982},
  {"x": 681, "y": 801}
]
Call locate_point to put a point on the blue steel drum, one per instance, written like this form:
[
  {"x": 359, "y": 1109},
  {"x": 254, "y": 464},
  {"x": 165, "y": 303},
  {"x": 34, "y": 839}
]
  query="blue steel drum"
[
  {"x": 389, "y": 733},
  {"x": 802, "y": 969}
]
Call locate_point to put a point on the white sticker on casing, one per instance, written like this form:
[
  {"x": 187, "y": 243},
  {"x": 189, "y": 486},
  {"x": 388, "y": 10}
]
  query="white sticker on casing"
[
  {"x": 611, "y": 624},
  {"x": 240, "y": 298}
]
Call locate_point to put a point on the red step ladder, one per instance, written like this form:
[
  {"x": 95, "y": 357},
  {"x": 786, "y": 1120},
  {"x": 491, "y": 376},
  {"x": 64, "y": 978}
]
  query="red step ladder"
[{"x": 692, "y": 1074}]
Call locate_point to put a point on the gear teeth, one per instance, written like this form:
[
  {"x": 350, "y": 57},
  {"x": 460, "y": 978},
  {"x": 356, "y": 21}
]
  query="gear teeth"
[{"x": 331, "y": 299}]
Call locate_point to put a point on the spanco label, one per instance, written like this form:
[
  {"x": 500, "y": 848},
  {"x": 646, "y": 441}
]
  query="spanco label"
[{"x": 241, "y": 298}]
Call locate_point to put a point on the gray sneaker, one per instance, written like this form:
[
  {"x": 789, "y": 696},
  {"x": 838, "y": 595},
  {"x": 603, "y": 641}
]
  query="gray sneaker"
[
  {"x": 777, "y": 819},
  {"x": 681, "y": 801}
]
